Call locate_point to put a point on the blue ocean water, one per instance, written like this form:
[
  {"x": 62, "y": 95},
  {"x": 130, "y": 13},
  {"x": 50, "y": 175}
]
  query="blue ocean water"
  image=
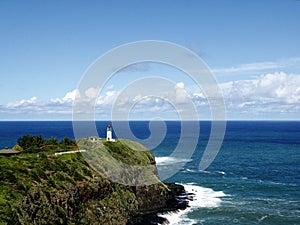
[{"x": 255, "y": 178}]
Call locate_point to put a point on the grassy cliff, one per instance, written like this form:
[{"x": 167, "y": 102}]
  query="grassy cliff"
[{"x": 41, "y": 188}]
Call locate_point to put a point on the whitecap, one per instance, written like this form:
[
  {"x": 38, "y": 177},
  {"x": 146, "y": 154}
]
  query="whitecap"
[
  {"x": 212, "y": 172},
  {"x": 221, "y": 172},
  {"x": 178, "y": 218},
  {"x": 188, "y": 171},
  {"x": 167, "y": 160},
  {"x": 202, "y": 197},
  {"x": 204, "y": 171}
]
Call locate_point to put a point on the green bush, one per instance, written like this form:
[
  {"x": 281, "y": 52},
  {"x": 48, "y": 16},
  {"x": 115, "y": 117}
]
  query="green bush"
[{"x": 34, "y": 144}]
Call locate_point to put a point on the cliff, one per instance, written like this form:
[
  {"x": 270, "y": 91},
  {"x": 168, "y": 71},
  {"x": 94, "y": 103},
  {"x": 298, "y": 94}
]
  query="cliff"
[{"x": 41, "y": 188}]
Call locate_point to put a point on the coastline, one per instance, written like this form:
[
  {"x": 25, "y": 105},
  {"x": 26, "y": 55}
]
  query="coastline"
[
  {"x": 61, "y": 188},
  {"x": 177, "y": 200},
  {"x": 196, "y": 197}
]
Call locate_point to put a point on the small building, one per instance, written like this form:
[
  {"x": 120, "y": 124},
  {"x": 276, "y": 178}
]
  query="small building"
[
  {"x": 109, "y": 133},
  {"x": 7, "y": 152},
  {"x": 94, "y": 138}
]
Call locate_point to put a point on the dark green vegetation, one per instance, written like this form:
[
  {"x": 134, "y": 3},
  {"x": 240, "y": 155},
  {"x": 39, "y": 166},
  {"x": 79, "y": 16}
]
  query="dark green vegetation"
[
  {"x": 41, "y": 188},
  {"x": 38, "y": 143}
]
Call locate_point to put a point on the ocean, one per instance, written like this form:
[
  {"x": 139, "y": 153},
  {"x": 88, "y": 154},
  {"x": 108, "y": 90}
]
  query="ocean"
[{"x": 254, "y": 179}]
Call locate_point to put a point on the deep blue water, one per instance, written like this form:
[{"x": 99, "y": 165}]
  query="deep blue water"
[{"x": 255, "y": 178}]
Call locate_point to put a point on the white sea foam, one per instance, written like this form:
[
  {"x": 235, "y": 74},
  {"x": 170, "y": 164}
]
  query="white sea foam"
[
  {"x": 169, "y": 160},
  {"x": 212, "y": 172},
  {"x": 189, "y": 171},
  {"x": 202, "y": 198},
  {"x": 178, "y": 218},
  {"x": 221, "y": 172}
]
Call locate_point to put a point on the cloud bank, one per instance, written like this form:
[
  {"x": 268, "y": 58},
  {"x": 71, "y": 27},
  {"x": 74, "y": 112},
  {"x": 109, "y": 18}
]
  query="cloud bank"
[{"x": 269, "y": 94}]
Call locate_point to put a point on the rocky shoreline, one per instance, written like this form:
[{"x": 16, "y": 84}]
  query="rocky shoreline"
[{"x": 175, "y": 199}]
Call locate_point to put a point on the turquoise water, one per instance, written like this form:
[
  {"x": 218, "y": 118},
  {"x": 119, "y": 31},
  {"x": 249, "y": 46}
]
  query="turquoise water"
[{"x": 255, "y": 178}]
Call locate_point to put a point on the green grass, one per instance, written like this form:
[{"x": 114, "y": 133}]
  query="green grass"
[
  {"x": 130, "y": 152},
  {"x": 73, "y": 188},
  {"x": 120, "y": 163}
]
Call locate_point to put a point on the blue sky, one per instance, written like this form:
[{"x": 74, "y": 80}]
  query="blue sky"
[{"x": 252, "y": 47}]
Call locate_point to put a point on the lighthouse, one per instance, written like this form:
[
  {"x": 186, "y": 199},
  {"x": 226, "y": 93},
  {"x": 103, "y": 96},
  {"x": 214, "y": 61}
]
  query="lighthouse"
[{"x": 109, "y": 133}]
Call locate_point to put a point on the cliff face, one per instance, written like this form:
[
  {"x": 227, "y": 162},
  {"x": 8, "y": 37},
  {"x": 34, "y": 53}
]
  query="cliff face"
[{"x": 47, "y": 189}]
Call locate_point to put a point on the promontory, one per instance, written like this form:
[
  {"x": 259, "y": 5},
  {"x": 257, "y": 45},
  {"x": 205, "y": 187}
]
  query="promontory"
[{"x": 72, "y": 183}]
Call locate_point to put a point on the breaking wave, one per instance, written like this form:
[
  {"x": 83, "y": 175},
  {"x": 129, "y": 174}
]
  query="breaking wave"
[
  {"x": 203, "y": 198},
  {"x": 161, "y": 161}
]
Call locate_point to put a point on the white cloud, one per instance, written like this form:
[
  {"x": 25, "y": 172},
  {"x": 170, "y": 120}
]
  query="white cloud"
[
  {"x": 181, "y": 95},
  {"x": 137, "y": 98},
  {"x": 248, "y": 67},
  {"x": 259, "y": 66},
  {"x": 107, "y": 99},
  {"x": 68, "y": 98},
  {"x": 110, "y": 87},
  {"x": 23, "y": 102},
  {"x": 92, "y": 92},
  {"x": 272, "y": 92},
  {"x": 179, "y": 85}
]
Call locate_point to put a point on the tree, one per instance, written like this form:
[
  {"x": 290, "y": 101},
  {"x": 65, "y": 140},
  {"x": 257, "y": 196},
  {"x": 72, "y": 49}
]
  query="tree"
[
  {"x": 38, "y": 143},
  {"x": 32, "y": 142},
  {"x": 67, "y": 142},
  {"x": 26, "y": 141},
  {"x": 52, "y": 141}
]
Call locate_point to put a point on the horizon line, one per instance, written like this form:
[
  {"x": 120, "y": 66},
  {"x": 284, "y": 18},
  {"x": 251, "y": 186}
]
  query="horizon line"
[{"x": 133, "y": 120}]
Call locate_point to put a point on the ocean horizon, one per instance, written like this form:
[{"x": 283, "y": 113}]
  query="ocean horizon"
[{"x": 254, "y": 179}]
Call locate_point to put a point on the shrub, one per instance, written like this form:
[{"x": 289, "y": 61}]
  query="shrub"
[{"x": 17, "y": 148}]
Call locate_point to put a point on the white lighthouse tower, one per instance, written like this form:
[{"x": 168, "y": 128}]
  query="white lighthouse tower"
[{"x": 109, "y": 133}]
